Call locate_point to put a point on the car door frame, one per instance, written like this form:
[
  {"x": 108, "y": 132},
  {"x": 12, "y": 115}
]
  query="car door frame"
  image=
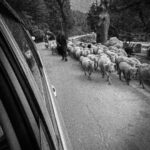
[{"x": 63, "y": 136}]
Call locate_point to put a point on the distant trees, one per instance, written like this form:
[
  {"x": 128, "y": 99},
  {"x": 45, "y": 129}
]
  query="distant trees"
[
  {"x": 34, "y": 13},
  {"x": 138, "y": 11},
  {"x": 79, "y": 23},
  {"x": 56, "y": 15},
  {"x": 60, "y": 15},
  {"x": 129, "y": 16},
  {"x": 54, "y": 20},
  {"x": 99, "y": 20},
  {"x": 42, "y": 15},
  {"x": 35, "y": 10},
  {"x": 92, "y": 17},
  {"x": 64, "y": 9}
]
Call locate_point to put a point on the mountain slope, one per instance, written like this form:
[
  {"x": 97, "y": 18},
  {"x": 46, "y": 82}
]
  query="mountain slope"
[{"x": 81, "y": 5}]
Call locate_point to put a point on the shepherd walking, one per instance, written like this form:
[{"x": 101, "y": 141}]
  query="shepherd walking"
[{"x": 62, "y": 45}]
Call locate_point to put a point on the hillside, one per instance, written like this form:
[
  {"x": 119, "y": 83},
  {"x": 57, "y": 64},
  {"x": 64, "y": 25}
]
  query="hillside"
[
  {"x": 81, "y": 5},
  {"x": 80, "y": 24}
]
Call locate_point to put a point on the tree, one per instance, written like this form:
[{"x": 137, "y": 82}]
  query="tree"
[
  {"x": 60, "y": 15},
  {"x": 64, "y": 8},
  {"x": 34, "y": 8},
  {"x": 121, "y": 15},
  {"x": 34, "y": 14},
  {"x": 79, "y": 23},
  {"x": 99, "y": 20},
  {"x": 54, "y": 15},
  {"x": 92, "y": 17},
  {"x": 139, "y": 8}
]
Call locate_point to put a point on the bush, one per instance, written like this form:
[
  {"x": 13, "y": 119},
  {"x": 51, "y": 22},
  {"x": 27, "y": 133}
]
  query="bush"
[{"x": 39, "y": 34}]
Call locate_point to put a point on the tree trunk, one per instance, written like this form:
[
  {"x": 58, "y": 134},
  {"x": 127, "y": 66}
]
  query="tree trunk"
[
  {"x": 63, "y": 16},
  {"x": 103, "y": 27},
  {"x": 64, "y": 19}
]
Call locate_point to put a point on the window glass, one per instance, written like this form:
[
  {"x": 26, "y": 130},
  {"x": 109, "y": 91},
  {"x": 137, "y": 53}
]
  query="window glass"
[{"x": 25, "y": 46}]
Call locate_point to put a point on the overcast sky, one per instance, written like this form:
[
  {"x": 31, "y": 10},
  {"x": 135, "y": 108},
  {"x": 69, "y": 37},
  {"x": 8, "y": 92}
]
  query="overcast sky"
[{"x": 82, "y": 5}]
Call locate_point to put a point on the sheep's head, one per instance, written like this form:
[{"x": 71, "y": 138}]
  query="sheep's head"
[
  {"x": 133, "y": 73},
  {"x": 110, "y": 67}
]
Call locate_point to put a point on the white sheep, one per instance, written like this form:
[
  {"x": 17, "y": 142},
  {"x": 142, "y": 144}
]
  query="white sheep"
[
  {"x": 88, "y": 66},
  {"x": 106, "y": 67},
  {"x": 128, "y": 71}
]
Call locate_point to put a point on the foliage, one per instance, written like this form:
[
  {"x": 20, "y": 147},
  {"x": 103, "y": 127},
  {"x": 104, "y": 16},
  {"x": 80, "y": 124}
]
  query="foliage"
[
  {"x": 92, "y": 17},
  {"x": 138, "y": 9},
  {"x": 79, "y": 23},
  {"x": 34, "y": 13},
  {"x": 35, "y": 8},
  {"x": 59, "y": 15},
  {"x": 54, "y": 19},
  {"x": 126, "y": 16},
  {"x": 43, "y": 15},
  {"x": 99, "y": 20}
]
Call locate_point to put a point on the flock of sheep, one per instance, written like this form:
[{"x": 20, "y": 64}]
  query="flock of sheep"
[{"x": 107, "y": 59}]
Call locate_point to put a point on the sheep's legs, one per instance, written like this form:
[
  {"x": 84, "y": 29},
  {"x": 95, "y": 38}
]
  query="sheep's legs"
[
  {"x": 90, "y": 75},
  {"x": 120, "y": 75},
  {"x": 108, "y": 79},
  {"x": 84, "y": 71},
  {"x": 141, "y": 82}
]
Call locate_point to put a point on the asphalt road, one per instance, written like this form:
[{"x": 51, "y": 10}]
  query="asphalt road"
[{"x": 99, "y": 116}]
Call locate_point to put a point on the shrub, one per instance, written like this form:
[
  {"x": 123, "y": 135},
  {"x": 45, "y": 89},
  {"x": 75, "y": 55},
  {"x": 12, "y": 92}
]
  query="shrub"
[{"x": 39, "y": 34}]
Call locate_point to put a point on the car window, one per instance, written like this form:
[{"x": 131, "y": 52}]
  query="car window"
[
  {"x": 46, "y": 138},
  {"x": 21, "y": 116},
  {"x": 26, "y": 48}
]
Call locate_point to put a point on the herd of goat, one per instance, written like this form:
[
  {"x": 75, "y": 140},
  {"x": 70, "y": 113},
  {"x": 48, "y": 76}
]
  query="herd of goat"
[{"x": 107, "y": 59}]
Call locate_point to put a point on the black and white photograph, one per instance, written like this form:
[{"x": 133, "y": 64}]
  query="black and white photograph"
[{"x": 74, "y": 75}]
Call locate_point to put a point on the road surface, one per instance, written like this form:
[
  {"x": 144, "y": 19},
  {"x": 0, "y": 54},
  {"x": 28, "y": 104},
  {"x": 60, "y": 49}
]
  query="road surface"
[{"x": 99, "y": 116}]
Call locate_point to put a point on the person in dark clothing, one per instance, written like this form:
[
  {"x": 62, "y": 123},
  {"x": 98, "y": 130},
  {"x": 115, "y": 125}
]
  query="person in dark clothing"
[
  {"x": 62, "y": 45},
  {"x": 46, "y": 41}
]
